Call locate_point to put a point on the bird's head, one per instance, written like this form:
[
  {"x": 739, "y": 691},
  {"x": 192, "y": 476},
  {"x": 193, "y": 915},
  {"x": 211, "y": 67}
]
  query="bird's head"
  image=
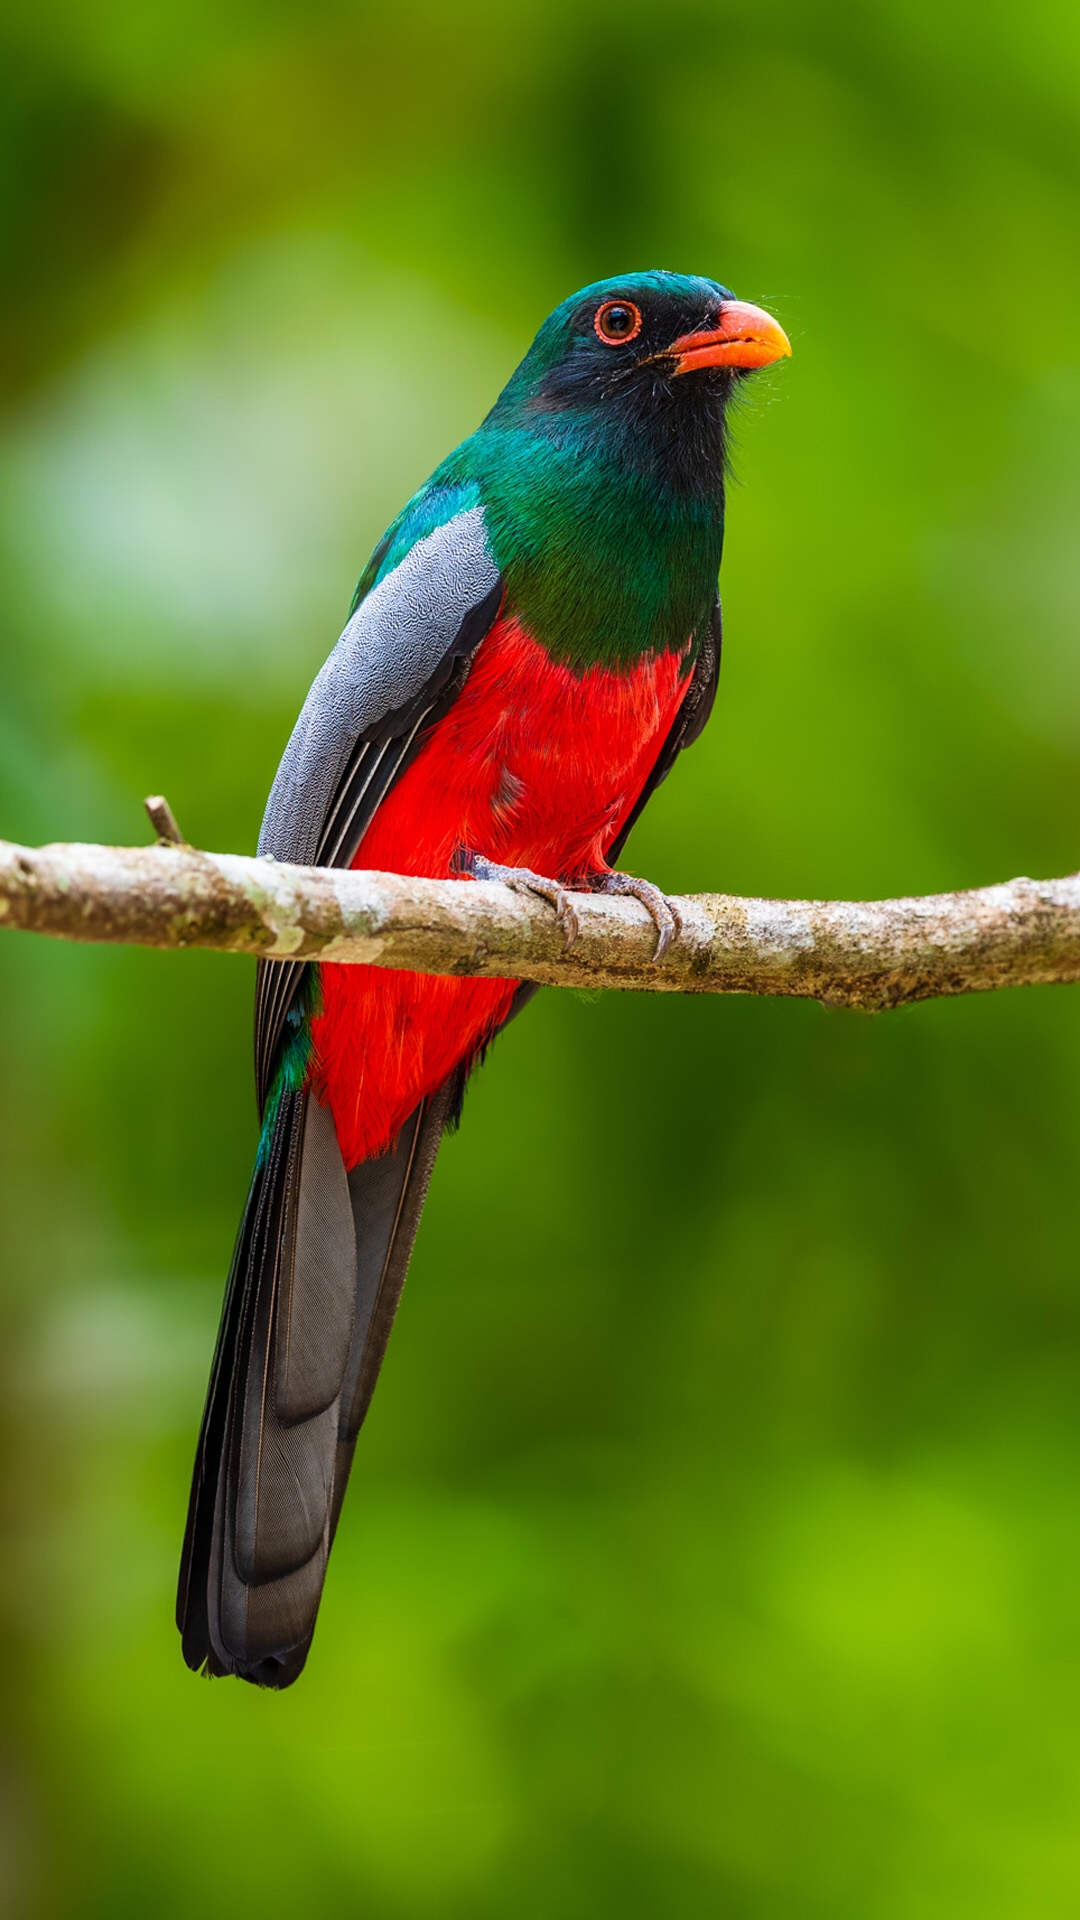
[{"x": 651, "y": 354}]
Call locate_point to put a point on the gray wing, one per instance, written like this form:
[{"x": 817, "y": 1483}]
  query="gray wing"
[{"x": 400, "y": 663}]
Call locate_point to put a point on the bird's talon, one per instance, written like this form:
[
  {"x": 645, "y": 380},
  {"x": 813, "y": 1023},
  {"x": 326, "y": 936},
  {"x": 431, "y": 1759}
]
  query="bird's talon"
[
  {"x": 566, "y": 915},
  {"x": 663, "y": 912},
  {"x": 523, "y": 880}
]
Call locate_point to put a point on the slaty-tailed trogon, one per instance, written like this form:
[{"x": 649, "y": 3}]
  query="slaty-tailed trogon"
[{"x": 530, "y": 646}]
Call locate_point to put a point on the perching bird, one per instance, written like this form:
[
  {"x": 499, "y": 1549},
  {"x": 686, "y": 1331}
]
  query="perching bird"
[{"x": 530, "y": 646}]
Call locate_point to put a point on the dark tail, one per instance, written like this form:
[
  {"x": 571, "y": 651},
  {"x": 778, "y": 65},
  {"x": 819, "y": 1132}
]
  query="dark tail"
[{"x": 316, "y": 1277}]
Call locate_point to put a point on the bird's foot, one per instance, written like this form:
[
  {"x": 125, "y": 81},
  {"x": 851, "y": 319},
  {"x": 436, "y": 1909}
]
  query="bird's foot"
[
  {"x": 662, "y": 911},
  {"x": 524, "y": 880}
]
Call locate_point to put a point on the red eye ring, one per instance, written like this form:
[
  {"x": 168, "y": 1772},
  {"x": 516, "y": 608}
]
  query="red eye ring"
[{"x": 619, "y": 307}]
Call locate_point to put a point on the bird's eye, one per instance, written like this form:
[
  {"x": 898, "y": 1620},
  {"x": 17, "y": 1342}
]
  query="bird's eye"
[{"x": 616, "y": 321}]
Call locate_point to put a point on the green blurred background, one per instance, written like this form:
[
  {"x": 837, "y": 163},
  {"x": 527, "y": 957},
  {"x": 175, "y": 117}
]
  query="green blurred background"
[{"x": 714, "y": 1546}]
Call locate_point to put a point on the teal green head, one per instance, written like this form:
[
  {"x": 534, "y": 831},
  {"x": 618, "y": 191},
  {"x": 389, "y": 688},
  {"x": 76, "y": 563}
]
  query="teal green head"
[
  {"x": 601, "y": 465},
  {"x": 640, "y": 368}
]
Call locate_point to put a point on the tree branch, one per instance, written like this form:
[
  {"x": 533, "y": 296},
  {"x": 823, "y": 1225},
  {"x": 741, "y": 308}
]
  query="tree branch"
[{"x": 869, "y": 954}]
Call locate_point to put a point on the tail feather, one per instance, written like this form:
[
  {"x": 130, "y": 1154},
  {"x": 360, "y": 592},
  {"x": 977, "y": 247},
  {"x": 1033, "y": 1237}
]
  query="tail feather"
[
  {"x": 387, "y": 1202},
  {"x": 317, "y": 1274}
]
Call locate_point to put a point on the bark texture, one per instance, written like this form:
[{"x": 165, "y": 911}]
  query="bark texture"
[{"x": 869, "y": 954}]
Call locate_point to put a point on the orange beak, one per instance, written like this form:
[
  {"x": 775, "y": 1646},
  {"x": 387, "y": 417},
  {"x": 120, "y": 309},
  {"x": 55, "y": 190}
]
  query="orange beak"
[{"x": 746, "y": 337}]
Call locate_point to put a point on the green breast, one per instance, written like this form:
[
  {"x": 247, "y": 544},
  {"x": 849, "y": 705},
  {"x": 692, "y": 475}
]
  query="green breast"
[{"x": 603, "y": 563}]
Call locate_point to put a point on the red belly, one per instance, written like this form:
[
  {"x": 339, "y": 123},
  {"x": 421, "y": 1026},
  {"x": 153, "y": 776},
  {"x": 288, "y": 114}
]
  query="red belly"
[{"x": 534, "y": 766}]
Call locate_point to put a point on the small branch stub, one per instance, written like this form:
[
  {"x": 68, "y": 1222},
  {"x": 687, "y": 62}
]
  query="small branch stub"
[
  {"x": 163, "y": 821},
  {"x": 868, "y": 954}
]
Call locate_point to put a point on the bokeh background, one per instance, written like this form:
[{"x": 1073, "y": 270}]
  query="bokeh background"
[{"x": 714, "y": 1546}]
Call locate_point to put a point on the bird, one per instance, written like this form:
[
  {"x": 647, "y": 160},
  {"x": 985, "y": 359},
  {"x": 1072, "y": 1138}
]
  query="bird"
[{"x": 531, "y": 645}]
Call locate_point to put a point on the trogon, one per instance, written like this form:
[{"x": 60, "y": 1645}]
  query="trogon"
[{"x": 530, "y": 647}]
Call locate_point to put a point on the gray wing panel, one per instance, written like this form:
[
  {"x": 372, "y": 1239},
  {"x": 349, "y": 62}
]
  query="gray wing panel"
[{"x": 385, "y": 660}]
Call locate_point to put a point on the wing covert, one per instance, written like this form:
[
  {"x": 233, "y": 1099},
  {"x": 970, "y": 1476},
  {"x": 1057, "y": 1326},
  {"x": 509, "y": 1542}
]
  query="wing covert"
[
  {"x": 407, "y": 629},
  {"x": 400, "y": 663}
]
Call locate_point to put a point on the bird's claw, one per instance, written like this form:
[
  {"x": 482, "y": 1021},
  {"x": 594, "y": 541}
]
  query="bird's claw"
[
  {"x": 524, "y": 880},
  {"x": 662, "y": 911}
]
